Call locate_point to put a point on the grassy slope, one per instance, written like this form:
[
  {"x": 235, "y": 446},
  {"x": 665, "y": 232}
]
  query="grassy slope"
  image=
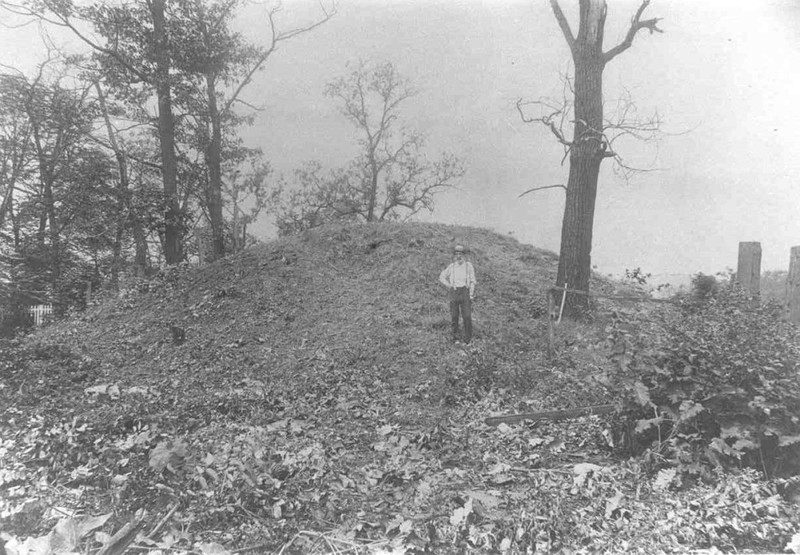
[
  {"x": 317, "y": 389},
  {"x": 363, "y": 298}
]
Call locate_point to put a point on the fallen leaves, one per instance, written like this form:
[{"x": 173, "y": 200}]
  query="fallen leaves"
[
  {"x": 63, "y": 539},
  {"x": 168, "y": 455},
  {"x": 352, "y": 427}
]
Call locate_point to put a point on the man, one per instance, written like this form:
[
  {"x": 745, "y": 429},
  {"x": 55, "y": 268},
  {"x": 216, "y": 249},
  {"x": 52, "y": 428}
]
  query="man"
[{"x": 459, "y": 278}]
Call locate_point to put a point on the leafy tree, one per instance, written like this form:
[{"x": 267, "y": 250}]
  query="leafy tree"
[
  {"x": 593, "y": 137},
  {"x": 187, "y": 55},
  {"x": 125, "y": 209},
  {"x": 247, "y": 195},
  {"x": 15, "y": 143},
  {"x": 221, "y": 64},
  {"x": 133, "y": 49},
  {"x": 317, "y": 198},
  {"x": 58, "y": 119},
  {"x": 391, "y": 176},
  {"x": 71, "y": 209}
]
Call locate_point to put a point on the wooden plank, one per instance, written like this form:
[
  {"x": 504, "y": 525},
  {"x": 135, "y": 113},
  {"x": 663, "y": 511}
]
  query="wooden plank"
[
  {"x": 748, "y": 270},
  {"x": 793, "y": 286},
  {"x": 549, "y": 415},
  {"x": 551, "y": 334}
]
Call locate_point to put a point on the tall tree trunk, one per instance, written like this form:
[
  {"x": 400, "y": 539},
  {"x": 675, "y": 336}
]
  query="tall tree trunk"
[
  {"x": 6, "y": 204},
  {"x": 373, "y": 189},
  {"x": 47, "y": 219},
  {"x": 589, "y": 145},
  {"x": 235, "y": 225},
  {"x": 139, "y": 237},
  {"x": 586, "y": 155},
  {"x": 123, "y": 191},
  {"x": 55, "y": 246},
  {"x": 173, "y": 225},
  {"x": 214, "y": 161},
  {"x": 140, "y": 245}
]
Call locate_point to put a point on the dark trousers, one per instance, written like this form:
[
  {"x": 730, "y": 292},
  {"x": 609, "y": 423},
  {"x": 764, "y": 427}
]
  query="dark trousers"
[{"x": 460, "y": 302}]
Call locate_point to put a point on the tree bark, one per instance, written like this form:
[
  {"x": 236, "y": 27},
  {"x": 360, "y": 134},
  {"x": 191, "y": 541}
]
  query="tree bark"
[
  {"x": 214, "y": 162},
  {"x": 123, "y": 190},
  {"x": 793, "y": 286},
  {"x": 589, "y": 146},
  {"x": 47, "y": 219},
  {"x": 373, "y": 184},
  {"x": 173, "y": 220},
  {"x": 586, "y": 155}
]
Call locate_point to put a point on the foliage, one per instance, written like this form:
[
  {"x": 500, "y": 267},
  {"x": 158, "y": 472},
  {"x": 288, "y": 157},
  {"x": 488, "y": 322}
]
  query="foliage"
[
  {"x": 316, "y": 199},
  {"x": 716, "y": 385},
  {"x": 81, "y": 160},
  {"x": 354, "y": 426},
  {"x": 637, "y": 276},
  {"x": 704, "y": 286}
]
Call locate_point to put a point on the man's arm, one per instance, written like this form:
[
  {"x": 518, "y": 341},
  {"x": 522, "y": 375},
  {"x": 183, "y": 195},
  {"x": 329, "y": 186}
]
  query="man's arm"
[
  {"x": 444, "y": 277},
  {"x": 472, "y": 281}
]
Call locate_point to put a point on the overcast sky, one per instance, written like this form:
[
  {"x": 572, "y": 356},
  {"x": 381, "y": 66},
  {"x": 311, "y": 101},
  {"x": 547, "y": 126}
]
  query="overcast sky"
[{"x": 724, "y": 77}]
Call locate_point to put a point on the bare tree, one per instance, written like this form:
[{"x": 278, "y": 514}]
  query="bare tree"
[
  {"x": 391, "y": 176},
  {"x": 593, "y": 136}
]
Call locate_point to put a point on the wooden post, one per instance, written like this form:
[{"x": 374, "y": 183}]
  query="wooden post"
[
  {"x": 793, "y": 286},
  {"x": 563, "y": 300},
  {"x": 551, "y": 315},
  {"x": 748, "y": 271}
]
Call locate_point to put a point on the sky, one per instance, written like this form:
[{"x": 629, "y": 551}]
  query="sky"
[{"x": 724, "y": 78}]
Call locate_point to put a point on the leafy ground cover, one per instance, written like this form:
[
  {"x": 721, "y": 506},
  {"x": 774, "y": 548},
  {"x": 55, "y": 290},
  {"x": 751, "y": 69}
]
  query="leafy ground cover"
[{"x": 305, "y": 397}]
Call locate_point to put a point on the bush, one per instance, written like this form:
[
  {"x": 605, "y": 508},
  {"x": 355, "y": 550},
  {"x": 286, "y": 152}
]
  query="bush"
[
  {"x": 704, "y": 286},
  {"x": 718, "y": 385}
]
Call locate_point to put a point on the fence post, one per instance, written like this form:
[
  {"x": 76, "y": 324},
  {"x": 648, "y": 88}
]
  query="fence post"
[
  {"x": 552, "y": 314},
  {"x": 793, "y": 286},
  {"x": 748, "y": 271}
]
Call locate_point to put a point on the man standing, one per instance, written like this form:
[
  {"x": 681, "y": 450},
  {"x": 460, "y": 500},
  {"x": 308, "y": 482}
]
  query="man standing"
[{"x": 459, "y": 278}]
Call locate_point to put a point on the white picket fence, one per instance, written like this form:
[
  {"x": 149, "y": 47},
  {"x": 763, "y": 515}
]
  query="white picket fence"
[{"x": 41, "y": 313}]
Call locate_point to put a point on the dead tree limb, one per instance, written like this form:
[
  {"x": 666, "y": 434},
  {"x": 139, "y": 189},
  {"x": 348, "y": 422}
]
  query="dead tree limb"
[
  {"x": 637, "y": 24},
  {"x": 120, "y": 541},
  {"x": 541, "y": 188},
  {"x": 549, "y": 415}
]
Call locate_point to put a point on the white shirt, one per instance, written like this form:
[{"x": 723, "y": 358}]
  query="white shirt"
[{"x": 459, "y": 274}]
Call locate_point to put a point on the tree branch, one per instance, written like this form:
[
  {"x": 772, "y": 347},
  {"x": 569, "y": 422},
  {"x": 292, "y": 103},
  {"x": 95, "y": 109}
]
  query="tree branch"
[
  {"x": 564, "y": 24},
  {"x": 64, "y": 21},
  {"x": 276, "y": 38},
  {"x": 546, "y": 120},
  {"x": 636, "y": 25},
  {"x": 557, "y": 186}
]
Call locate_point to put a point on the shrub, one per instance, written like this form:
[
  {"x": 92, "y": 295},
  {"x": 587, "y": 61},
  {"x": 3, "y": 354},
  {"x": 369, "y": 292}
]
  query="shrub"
[
  {"x": 718, "y": 385},
  {"x": 704, "y": 286}
]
